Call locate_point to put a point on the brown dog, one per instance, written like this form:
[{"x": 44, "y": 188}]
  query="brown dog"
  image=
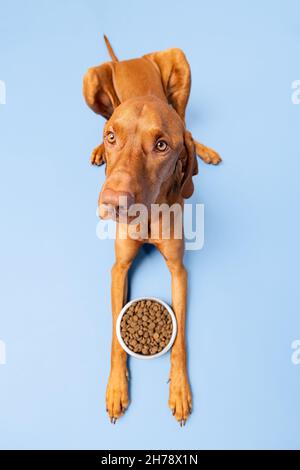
[{"x": 150, "y": 158}]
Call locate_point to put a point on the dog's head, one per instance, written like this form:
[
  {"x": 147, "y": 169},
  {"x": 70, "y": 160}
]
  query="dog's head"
[{"x": 146, "y": 148}]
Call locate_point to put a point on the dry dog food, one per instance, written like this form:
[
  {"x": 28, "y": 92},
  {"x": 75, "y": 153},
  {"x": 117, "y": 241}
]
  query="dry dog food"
[{"x": 146, "y": 327}]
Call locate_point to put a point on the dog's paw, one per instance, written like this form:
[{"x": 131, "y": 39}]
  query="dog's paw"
[
  {"x": 117, "y": 400},
  {"x": 207, "y": 154},
  {"x": 212, "y": 157},
  {"x": 180, "y": 397},
  {"x": 97, "y": 157}
]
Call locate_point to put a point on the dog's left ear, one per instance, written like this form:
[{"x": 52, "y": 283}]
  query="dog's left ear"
[
  {"x": 99, "y": 91},
  {"x": 175, "y": 75},
  {"x": 189, "y": 166}
]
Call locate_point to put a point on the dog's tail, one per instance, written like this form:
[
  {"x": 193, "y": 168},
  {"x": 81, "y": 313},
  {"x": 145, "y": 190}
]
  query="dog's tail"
[{"x": 110, "y": 50}]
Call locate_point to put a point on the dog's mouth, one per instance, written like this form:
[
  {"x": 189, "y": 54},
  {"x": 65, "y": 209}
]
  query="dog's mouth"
[
  {"x": 117, "y": 214},
  {"x": 121, "y": 216}
]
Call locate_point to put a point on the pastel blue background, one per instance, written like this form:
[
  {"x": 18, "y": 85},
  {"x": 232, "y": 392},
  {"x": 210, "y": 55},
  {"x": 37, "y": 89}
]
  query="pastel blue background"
[{"x": 55, "y": 274}]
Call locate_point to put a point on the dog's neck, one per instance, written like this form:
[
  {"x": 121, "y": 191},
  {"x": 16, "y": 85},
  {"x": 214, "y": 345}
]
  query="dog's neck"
[{"x": 142, "y": 80}]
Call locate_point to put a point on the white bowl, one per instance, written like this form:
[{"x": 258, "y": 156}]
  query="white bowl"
[{"x": 141, "y": 356}]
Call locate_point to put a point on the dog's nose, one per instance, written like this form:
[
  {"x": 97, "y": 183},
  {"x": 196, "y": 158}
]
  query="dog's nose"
[{"x": 119, "y": 200}]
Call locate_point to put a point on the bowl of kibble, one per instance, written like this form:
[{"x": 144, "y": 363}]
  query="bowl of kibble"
[{"x": 146, "y": 328}]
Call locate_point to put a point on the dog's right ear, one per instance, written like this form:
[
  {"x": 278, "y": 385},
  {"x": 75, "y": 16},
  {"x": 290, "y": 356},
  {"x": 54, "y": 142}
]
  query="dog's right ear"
[
  {"x": 99, "y": 91},
  {"x": 189, "y": 166},
  {"x": 175, "y": 76}
]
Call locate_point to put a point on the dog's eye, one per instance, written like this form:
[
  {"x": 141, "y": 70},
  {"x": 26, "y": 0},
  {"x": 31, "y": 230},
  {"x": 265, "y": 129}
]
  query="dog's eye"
[
  {"x": 111, "y": 138},
  {"x": 161, "y": 145}
]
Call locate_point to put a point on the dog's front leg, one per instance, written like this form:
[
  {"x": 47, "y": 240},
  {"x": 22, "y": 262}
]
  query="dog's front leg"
[
  {"x": 207, "y": 154},
  {"x": 180, "y": 399},
  {"x": 117, "y": 388}
]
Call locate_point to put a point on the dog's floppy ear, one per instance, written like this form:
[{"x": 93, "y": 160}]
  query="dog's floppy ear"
[
  {"x": 189, "y": 166},
  {"x": 176, "y": 77},
  {"x": 99, "y": 91}
]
